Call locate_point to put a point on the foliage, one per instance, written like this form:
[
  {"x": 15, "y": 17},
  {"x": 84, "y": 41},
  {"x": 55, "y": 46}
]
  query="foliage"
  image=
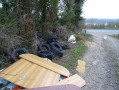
[
  {"x": 79, "y": 37},
  {"x": 72, "y": 14},
  {"x": 22, "y": 19}
]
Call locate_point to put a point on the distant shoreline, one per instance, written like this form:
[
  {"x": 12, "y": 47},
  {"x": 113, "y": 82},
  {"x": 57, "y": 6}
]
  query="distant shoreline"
[{"x": 102, "y": 29}]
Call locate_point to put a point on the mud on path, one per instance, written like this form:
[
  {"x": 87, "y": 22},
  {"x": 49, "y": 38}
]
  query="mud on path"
[{"x": 100, "y": 72}]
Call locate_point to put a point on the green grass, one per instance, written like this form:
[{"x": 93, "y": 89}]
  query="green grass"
[
  {"x": 79, "y": 37},
  {"x": 117, "y": 75},
  {"x": 116, "y": 68},
  {"x": 89, "y": 37},
  {"x": 70, "y": 57},
  {"x": 79, "y": 51},
  {"x": 76, "y": 54},
  {"x": 118, "y": 36},
  {"x": 68, "y": 64}
]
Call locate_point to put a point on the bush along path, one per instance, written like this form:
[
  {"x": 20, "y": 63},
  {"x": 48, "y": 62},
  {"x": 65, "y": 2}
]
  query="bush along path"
[{"x": 102, "y": 63}]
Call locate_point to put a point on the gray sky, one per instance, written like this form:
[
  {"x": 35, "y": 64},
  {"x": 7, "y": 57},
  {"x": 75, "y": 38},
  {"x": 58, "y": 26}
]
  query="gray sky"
[{"x": 101, "y": 9}]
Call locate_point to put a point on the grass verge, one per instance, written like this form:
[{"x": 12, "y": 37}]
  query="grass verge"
[
  {"x": 4, "y": 62},
  {"x": 89, "y": 37},
  {"x": 118, "y": 36},
  {"x": 116, "y": 68},
  {"x": 75, "y": 56},
  {"x": 71, "y": 56}
]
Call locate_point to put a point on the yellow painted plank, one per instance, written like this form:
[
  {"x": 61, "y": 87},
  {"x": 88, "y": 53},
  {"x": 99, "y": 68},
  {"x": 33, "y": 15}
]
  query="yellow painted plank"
[
  {"x": 81, "y": 66},
  {"x": 46, "y": 64},
  {"x": 81, "y": 63},
  {"x": 74, "y": 79}
]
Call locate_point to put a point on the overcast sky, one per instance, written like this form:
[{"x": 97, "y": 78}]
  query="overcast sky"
[{"x": 101, "y": 9}]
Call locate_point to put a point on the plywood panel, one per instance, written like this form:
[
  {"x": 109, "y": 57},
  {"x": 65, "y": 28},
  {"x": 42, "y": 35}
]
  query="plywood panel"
[
  {"x": 74, "y": 79},
  {"x": 29, "y": 75},
  {"x": 8, "y": 69},
  {"x": 41, "y": 78},
  {"x": 46, "y": 64}
]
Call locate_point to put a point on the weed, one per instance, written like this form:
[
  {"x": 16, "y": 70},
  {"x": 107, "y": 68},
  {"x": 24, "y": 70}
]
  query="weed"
[
  {"x": 79, "y": 51},
  {"x": 68, "y": 64},
  {"x": 75, "y": 55},
  {"x": 89, "y": 37},
  {"x": 116, "y": 67},
  {"x": 118, "y": 36},
  {"x": 79, "y": 37},
  {"x": 113, "y": 60},
  {"x": 4, "y": 62}
]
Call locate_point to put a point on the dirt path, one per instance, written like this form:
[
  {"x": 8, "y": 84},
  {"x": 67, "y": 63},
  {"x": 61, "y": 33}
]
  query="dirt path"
[{"x": 100, "y": 72}]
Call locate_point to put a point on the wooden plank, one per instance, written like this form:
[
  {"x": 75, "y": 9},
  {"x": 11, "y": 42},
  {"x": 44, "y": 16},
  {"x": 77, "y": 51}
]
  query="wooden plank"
[
  {"x": 46, "y": 64},
  {"x": 22, "y": 70},
  {"x": 29, "y": 75},
  {"x": 74, "y": 79},
  {"x": 39, "y": 79},
  {"x": 81, "y": 66},
  {"x": 8, "y": 69},
  {"x": 37, "y": 75}
]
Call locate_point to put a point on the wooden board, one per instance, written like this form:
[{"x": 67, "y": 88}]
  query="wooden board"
[
  {"x": 46, "y": 64},
  {"x": 29, "y": 75},
  {"x": 81, "y": 66},
  {"x": 74, "y": 79}
]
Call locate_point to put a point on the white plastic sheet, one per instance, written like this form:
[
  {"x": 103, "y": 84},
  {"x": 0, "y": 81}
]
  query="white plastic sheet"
[{"x": 72, "y": 39}]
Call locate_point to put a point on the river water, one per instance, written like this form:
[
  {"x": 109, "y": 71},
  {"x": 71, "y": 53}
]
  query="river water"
[{"x": 102, "y": 31}]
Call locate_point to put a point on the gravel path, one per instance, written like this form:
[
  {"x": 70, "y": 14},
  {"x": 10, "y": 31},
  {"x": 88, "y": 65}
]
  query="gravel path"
[{"x": 100, "y": 73}]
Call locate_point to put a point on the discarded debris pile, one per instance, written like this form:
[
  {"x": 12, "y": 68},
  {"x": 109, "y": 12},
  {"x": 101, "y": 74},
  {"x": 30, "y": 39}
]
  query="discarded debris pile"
[
  {"x": 34, "y": 72},
  {"x": 48, "y": 47}
]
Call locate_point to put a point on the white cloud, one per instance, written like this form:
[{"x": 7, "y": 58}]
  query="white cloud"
[{"x": 101, "y": 9}]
